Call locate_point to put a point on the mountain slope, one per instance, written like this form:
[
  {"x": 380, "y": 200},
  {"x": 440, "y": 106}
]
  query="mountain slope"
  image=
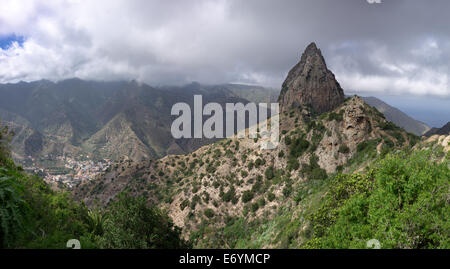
[
  {"x": 444, "y": 130},
  {"x": 227, "y": 185},
  {"x": 72, "y": 117},
  {"x": 398, "y": 117}
]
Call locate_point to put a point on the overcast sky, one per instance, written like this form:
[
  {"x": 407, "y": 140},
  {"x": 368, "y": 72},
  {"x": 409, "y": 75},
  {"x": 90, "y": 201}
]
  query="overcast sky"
[{"x": 396, "y": 47}]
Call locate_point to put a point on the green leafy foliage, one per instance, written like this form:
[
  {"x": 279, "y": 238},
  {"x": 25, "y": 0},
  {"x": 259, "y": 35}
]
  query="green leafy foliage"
[
  {"x": 403, "y": 203},
  {"x": 313, "y": 171},
  {"x": 12, "y": 208},
  {"x": 131, "y": 223},
  {"x": 247, "y": 196},
  {"x": 34, "y": 216}
]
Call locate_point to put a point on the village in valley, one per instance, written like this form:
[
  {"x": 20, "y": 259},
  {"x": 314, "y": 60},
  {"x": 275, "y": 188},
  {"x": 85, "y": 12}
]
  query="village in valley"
[{"x": 64, "y": 171}]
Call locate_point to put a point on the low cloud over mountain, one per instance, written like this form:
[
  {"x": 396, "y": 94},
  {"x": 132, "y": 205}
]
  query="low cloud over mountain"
[{"x": 395, "y": 46}]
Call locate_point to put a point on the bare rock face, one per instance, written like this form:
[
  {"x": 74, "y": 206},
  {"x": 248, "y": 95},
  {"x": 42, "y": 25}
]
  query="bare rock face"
[
  {"x": 356, "y": 124},
  {"x": 311, "y": 83}
]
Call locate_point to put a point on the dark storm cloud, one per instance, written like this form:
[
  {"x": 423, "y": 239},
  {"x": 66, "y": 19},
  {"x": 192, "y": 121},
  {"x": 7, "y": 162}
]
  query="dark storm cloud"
[{"x": 396, "y": 46}]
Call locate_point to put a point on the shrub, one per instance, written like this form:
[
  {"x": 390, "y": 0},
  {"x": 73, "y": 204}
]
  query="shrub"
[
  {"x": 387, "y": 125},
  {"x": 269, "y": 173},
  {"x": 229, "y": 195},
  {"x": 344, "y": 149},
  {"x": 184, "y": 204},
  {"x": 250, "y": 165},
  {"x": 395, "y": 202},
  {"x": 313, "y": 171},
  {"x": 130, "y": 223},
  {"x": 259, "y": 162},
  {"x": 293, "y": 164},
  {"x": 298, "y": 147},
  {"x": 336, "y": 116},
  {"x": 247, "y": 196},
  {"x": 209, "y": 213},
  {"x": 287, "y": 190}
]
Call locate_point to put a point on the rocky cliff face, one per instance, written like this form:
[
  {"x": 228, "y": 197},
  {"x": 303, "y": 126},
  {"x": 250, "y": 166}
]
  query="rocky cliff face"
[{"x": 311, "y": 83}]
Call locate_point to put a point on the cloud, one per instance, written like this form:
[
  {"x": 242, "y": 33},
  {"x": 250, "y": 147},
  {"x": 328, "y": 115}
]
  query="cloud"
[{"x": 396, "y": 46}]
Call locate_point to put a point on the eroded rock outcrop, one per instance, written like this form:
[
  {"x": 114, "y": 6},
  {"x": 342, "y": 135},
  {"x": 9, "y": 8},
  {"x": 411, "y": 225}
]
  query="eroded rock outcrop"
[{"x": 311, "y": 83}]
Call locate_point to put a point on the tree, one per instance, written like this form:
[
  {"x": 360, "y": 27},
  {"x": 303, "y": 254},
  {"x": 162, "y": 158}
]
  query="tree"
[
  {"x": 130, "y": 224},
  {"x": 5, "y": 137}
]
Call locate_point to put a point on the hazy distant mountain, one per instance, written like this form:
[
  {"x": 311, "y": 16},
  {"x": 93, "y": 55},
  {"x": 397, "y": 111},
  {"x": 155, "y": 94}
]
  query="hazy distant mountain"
[
  {"x": 256, "y": 94},
  {"x": 444, "y": 130},
  {"x": 398, "y": 117},
  {"x": 105, "y": 119},
  {"x": 234, "y": 184}
]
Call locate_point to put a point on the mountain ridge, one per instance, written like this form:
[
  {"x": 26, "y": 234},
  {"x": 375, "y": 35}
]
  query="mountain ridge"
[
  {"x": 397, "y": 116},
  {"x": 235, "y": 181}
]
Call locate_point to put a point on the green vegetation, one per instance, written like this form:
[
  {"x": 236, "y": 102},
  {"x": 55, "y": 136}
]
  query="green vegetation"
[
  {"x": 366, "y": 150},
  {"x": 343, "y": 149},
  {"x": 402, "y": 202},
  {"x": 34, "y": 216},
  {"x": 336, "y": 116},
  {"x": 209, "y": 213},
  {"x": 313, "y": 171},
  {"x": 387, "y": 125},
  {"x": 247, "y": 196},
  {"x": 130, "y": 223},
  {"x": 269, "y": 173}
]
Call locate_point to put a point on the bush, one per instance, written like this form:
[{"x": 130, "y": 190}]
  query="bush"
[
  {"x": 269, "y": 173},
  {"x": 209, "y": 213},
  {"x": 336, "y": 116},
  {"x": 259, "y": 162},
  {"x": 313, "y": 171},
  {"x": 298, "y": 147},
  {"x": 229, "y": 195},
  {"x": 387, "y": 126},
  {"x": 247, "y": 196},
  {"x": 293, "y": 164},
  {"x": 287, "y": 190},
  {"x": 130, "y": 223},
  {"x": 402, "y": 202},
  {"x": 250, "y": 165},
  {"x": 184, "y": 204},
  {"x": 344, "y": 149}
]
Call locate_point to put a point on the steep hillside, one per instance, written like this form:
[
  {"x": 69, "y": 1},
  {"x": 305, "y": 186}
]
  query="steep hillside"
[
  {"x": 221, "y": 175},
  {"x": 77, "y": 118},
  {"x": 398, "y": 117},
  {"x": 233, "y": 183}
]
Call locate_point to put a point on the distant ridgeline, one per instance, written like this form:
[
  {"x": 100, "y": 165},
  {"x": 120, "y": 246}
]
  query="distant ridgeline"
[
  {"x": 341, "y": 176},
  {"x": 98, "y": 120},
  {"x": 34, "y": 216},
  {"x": 341, "y": 170},
  {"x": 444, "y": 130}
]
